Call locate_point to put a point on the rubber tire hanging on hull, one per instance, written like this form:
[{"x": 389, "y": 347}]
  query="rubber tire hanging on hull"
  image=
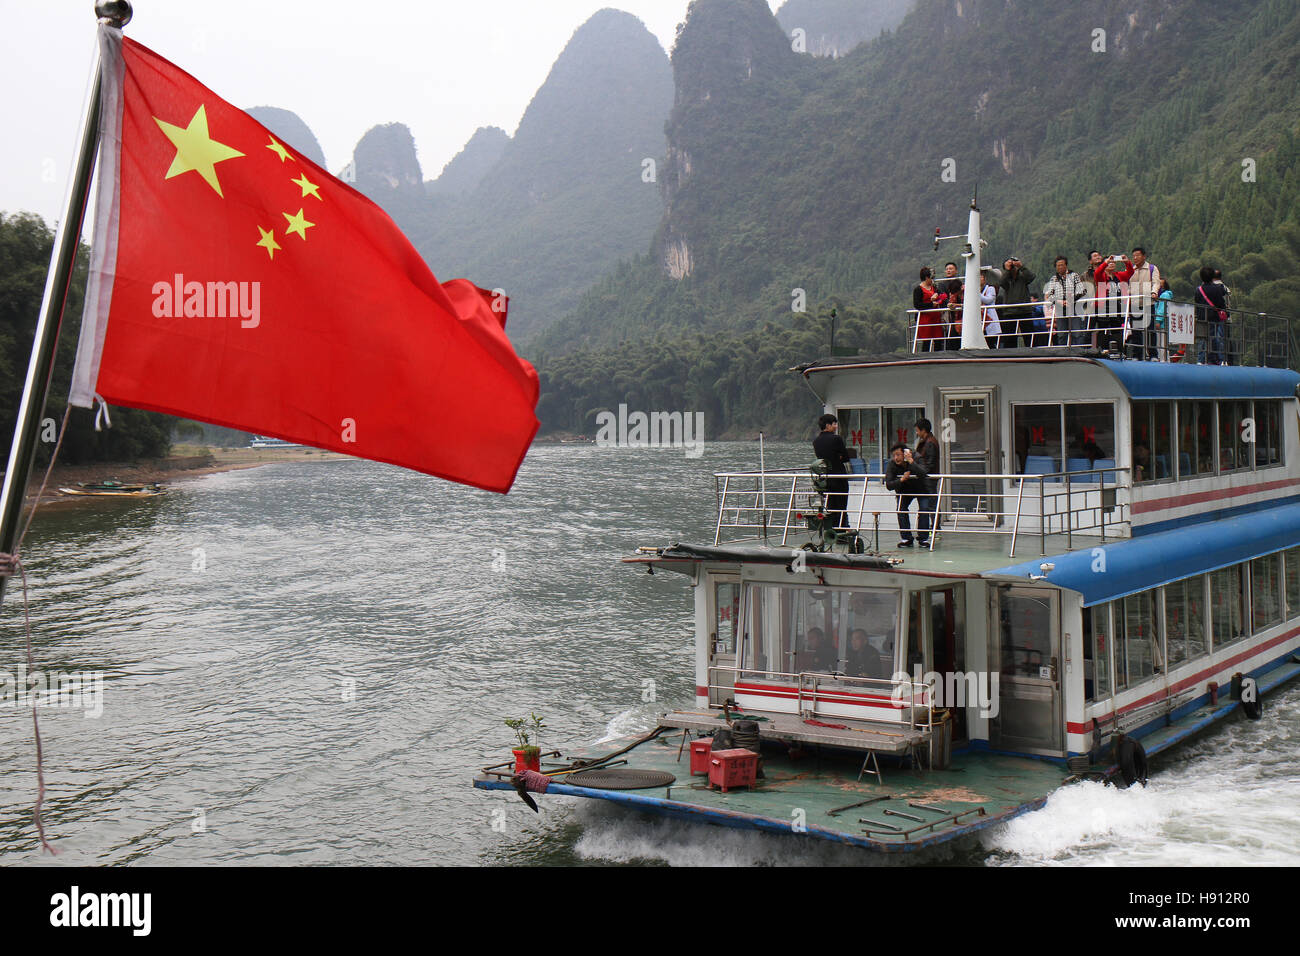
[
  {"x": 1132, "y": 761},
  {"x": 1254, "y": 709}
]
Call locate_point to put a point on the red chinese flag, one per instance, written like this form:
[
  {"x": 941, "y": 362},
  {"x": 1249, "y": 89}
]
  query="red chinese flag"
[{"x": 235, "y": 282}]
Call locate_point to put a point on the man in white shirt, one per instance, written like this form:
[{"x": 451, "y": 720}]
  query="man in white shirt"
[
  {"x": 1144, "y": 287},
  {"x": 1060, "y": 293}
]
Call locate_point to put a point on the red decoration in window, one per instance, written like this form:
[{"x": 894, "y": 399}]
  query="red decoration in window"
[
  {"x": 902, "y": 435},
  {"x": 1037, "y": 435},
  {"x": 856, "y": 437},
  {"x": 1089, "y": 434},
  {"x": 871, "y": 435}
]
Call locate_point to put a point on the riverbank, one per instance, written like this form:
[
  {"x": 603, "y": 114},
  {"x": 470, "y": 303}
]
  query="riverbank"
[{"x": 188, "y": 461}]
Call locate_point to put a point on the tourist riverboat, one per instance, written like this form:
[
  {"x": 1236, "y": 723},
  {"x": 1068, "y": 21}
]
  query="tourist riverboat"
[{"x": 1115, "y": 567}]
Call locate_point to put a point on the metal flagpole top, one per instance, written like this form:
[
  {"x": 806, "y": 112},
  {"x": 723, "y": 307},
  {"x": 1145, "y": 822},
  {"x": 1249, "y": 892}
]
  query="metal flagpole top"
[{"x": 115, "y": 13}]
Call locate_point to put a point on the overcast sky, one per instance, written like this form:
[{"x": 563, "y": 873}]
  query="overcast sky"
[{"x": 443, "y": 68}]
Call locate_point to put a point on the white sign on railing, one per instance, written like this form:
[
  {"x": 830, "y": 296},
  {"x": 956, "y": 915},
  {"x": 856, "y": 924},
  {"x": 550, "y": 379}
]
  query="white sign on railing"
[{"x": 1182, "y": 324}]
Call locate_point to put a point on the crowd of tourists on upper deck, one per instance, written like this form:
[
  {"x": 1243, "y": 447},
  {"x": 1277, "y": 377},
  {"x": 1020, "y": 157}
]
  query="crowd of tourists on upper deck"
[{"x": 1119, "y": 302}]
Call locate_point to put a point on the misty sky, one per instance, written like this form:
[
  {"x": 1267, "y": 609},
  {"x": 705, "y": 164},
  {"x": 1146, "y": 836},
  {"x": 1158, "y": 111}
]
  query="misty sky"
[{"x": 442, "y": 68}]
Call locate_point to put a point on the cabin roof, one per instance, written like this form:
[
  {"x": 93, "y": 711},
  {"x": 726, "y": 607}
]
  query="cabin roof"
[
  {"x": 1150, "y": 560},
  {"x": 1141, "y": 380}
]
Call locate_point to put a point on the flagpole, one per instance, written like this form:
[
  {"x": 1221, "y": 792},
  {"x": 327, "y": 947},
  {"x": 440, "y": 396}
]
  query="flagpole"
[{"x": 22, "y": 453}]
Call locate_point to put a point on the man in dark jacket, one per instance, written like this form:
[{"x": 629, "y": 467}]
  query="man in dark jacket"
[
  {"x": 830, "y": 448},
  {"x": 906, "y": 477},
  {"x": 1016, "y": 319}
]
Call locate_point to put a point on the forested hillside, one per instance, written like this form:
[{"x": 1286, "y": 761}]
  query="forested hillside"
[
  {"x": 1104, "y": 123},
  {"x": 25, "y": 244}
]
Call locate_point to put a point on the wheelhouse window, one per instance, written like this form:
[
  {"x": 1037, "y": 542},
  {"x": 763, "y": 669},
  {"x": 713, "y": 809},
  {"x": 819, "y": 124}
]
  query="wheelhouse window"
[
  {"x": 1227, "y": 605},
  {"x": 810, "y": 629},
  {"x": 1195, "y": 439},
  {"x": 1266, "y": 592}
]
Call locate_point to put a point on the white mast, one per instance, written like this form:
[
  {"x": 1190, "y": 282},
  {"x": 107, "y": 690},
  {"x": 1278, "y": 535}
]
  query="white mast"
[{"x": 972, "y": 326}]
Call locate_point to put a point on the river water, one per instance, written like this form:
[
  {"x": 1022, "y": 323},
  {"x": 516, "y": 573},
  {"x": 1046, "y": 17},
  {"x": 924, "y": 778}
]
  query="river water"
[{"x": 305, "y": 663}]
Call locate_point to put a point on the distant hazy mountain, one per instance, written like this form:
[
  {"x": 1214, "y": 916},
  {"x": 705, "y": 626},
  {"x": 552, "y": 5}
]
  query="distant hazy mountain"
[
  {"x": 465, "y": 172},
  {"x": 291, "y": 130},
  {"x": 571, "y": 194},
  {"x": 834, "y": 27}
]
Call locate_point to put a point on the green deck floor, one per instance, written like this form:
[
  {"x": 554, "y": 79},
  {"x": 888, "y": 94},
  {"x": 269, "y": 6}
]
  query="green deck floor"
[{"x": 795, "y": 795}]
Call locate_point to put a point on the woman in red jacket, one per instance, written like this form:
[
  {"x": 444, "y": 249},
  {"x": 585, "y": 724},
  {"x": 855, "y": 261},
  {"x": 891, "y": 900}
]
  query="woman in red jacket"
[{"x": 928, "y": 302}]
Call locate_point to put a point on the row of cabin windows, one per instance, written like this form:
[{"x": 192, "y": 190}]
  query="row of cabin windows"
[
  {"x": 1190, "y": 439},
  {"x": 1159, "y": 629}
]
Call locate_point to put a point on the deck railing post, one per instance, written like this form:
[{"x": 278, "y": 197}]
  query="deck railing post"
[
  {"x": 1042, "y": 516},
  {"x": 789, "y": 511},
  {"x": 1069, "y": 515},
  {"x": 722, "y": 505}
]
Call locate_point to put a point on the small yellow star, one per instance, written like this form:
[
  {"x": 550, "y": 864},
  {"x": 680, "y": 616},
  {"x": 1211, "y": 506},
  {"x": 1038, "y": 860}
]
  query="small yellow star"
[
  {"x": 196, "y": 150},
  {"x": 308, "y": 187},
  {"x": 279, "y": 150},
  {"x": 298, "y": 224},
  {"x": 268, "y": 241}
]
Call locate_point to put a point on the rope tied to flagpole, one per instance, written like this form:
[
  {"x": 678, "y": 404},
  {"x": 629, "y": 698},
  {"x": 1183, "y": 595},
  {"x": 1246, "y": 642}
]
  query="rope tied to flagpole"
[{"x": 11, "y": 565}]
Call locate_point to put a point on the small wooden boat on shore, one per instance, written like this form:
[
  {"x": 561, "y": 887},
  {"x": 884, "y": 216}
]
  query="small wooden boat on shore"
[{"x": 114, "y": 489}]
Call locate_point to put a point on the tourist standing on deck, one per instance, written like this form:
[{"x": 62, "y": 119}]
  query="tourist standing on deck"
[
  {"x": 1017, "y": 317},
  {"x": 1212, "y": 309},
  {"x": 906, "y": 478},
  {"x": 927, "y": 454},
  {"x": 1062, "y": 290},
  {"x": 829, "y": 447},
  {"x": 951, "y": 286},
  {"x": 1112, "y": 280},
  {"x": 928, "y": 302},
  {"x": 1144, "y": 288}
]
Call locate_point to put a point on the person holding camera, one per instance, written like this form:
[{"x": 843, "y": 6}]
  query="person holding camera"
[
  {"x": 907, "y": 478},
  {"x": 1016, "y": 318}
]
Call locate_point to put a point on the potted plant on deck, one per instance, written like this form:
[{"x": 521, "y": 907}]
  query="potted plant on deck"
[{"x": 528, "y": 755}]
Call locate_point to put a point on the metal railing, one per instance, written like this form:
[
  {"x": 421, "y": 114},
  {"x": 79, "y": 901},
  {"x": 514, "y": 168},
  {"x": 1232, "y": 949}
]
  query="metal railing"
[
  {"x": 765, "y": 505},
  {"x": 1255, "y": 339},
  {"x": 906, "y": 695}
]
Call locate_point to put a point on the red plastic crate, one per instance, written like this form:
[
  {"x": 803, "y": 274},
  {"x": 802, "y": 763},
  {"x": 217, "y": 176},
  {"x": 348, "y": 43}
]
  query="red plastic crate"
[
  {"x": 733, "y": 768},
  {"x": 700, "y": 756}
]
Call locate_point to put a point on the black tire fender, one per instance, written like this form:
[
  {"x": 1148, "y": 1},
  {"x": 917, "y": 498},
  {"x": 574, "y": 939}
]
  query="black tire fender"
[
  {"x": 1251, "y": 703},
  {"x": 1132, "y": 761}
]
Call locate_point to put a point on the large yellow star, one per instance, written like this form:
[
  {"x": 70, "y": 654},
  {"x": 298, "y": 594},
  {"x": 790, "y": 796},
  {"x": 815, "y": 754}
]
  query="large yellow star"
[
  {"x": 196, "y": 150},
  {"x": 308, "y": 187},
  {"x": 279, "y": 150},
  {"x": 268, "y": 241},
  {"x": 298, "y": 224}
]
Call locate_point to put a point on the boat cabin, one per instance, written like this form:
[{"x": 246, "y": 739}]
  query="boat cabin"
[{"x": 1114, "y": 541}]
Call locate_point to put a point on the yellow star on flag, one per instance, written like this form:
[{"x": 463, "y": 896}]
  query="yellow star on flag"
[
  {"x": 279, "y": 150},
  {"x": 298, "y": 224},
  {"x": 268, "y": 241},
  {"x": 308, "y": 187},
  {"x": 196, "y": 150}
]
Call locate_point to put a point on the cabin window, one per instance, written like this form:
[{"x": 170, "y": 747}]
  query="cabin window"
[
  {"x": 1089, "y": 435},
  {"x": 1293, "y": 583},
  {"x": 1268, "y": 434},
  {"x": 1266, "y": 592},
  {"x": 871, "y": 430},
  {"x": 1138, "y": 637},
  {"x": 796, "y": 629},
  {"x": 1195, "y": 439},
  {"x": 1227, "y": 600},
  {"x": 1233, "y": 452},
  {"x": 1185, "y": 619},
  {"x": 726, "y": 604},
  {"x": 1096, "y": 652},
  {"x": 1140, "y": 436},
  {"x": 860, "y": 429},
  {"x": 1053, "y": 438}
]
